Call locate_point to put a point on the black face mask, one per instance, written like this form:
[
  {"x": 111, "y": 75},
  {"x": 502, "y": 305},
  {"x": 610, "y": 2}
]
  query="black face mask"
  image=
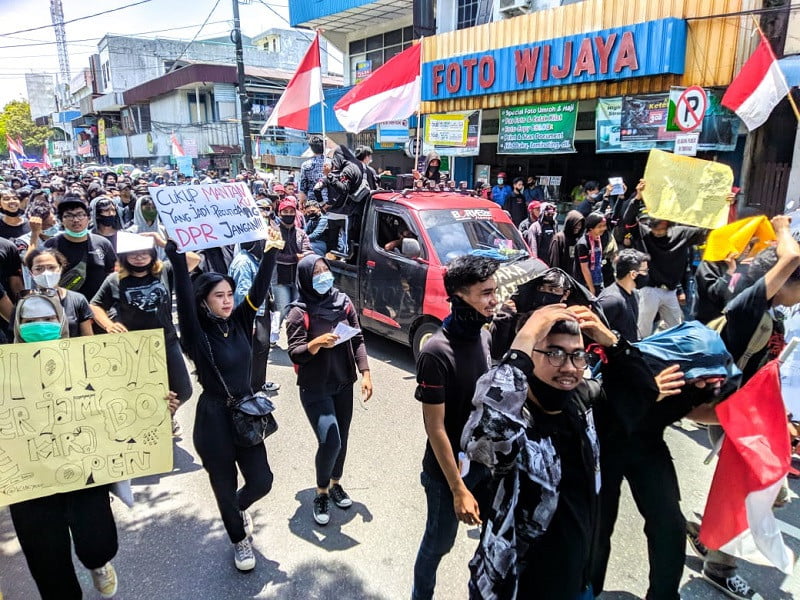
[
  {"x": 287, "y": 219},
  {"x": 545, "y": 298},
  {"x": 641, "y": 281},
  {"x": 549, "y": 398},
  {"x": 106, "y": 221},
  {"x": 134, "y": 269},
  {"x": 463, "y": 320},
  {"x": 11, "y": 213},
  {"x": 255, "y": 248}
]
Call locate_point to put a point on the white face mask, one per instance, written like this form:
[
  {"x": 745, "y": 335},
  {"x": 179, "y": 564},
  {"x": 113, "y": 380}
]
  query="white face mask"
[{"x": 48, "y": 279}]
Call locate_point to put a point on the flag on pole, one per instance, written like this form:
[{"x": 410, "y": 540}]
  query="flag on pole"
[
  {"x": 46, "y": 156},
  {"x": 391, "y": 92},
  {"x": 177, "y": 149},
  {"x": 754, "y": 459},
  {"x": 14, "y": 146},
  {"x": 303, "y": 91},
  {"x": 758, "y": 87}
]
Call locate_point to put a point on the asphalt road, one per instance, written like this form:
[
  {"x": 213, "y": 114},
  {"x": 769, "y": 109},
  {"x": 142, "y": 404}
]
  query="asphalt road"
[{"x": 173, "y": 546}]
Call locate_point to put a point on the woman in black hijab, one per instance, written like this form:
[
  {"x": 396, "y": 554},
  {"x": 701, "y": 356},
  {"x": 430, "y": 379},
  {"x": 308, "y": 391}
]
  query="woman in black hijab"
[{"x": 326, "y": 359}]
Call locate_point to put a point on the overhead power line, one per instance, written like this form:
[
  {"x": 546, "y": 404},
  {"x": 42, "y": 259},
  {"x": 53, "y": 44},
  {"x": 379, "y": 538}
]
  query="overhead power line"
[
  {"x": 49, "y": 25},
  {"x": 174, "y": 64}
]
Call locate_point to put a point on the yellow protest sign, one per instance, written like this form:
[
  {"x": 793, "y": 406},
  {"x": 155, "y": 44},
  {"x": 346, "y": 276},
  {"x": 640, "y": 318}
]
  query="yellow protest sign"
[
  {"x": 734, "y": 238},
  {"x": 82, "y": 412},
  {"x": 687, "y": 190}
]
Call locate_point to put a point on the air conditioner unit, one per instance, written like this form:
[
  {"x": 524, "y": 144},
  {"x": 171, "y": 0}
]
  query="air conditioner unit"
[{"x": 513, "y": 8}]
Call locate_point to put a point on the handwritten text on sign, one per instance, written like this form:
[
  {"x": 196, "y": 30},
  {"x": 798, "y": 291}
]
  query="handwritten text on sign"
[
  {"x": 82, "y": 412},
  {"x": 208, "y": 216}
]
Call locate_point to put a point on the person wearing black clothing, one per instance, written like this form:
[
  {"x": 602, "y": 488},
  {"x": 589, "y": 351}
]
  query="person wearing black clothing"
[
  {"x": 618, "y": 301},
  {"x": 326, "y": 372},
  {"x": 562, "y": 248},
  {"x": 10, "y": 268},
  {"x": 90, "y": 257},
  {"x": 448, "y": 368},
  {"x": 540, "y": 426},
  {"x": 668, "y": 245},
  {"x": 515, "y": 204},
  {"x": 140, "y": 296},
  {"x": 589, "y": 253},
  {"x": 12, "y": 222},
  {"x": 714, "y": 287},
  {"x": 342, "y": 178},
  {"x": 591, "y": 196},
  {"x": 218, "y": 338}
]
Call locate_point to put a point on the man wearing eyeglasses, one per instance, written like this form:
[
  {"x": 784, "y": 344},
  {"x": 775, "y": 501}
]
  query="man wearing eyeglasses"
[
  {"x": 536, "y": 423},
  {"x": 90, "y": 257}
]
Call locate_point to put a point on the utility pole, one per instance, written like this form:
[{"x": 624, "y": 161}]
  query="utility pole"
[{"x": 244, "y": 102}]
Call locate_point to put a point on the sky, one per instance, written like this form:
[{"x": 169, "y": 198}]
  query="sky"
[{"x": 142, "y": 20}]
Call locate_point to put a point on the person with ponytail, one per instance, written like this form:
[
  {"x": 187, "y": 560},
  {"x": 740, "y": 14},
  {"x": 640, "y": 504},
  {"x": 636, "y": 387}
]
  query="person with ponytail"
[
  {"x": 448, "y": 368},
  {"x": 139, "y": 295},
  {"x": 219, "y": 339},
  {"x": 326, "y": 372},
  {"x": 589, "y": 253}
]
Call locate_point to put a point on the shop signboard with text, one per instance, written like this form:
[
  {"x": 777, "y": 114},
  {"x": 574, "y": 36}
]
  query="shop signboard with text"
[
  {"x": 645, "y": 49},
  {"x": 446, "y": 132},
  {"x": 538, "y": 129}
]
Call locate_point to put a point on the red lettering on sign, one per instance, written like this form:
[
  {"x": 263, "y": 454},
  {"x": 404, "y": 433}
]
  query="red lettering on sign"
[
  {"x": 626, "y": 57},
  {"x": 545, "y": 72},
  {"x": 566, "y": 63},
  {"x": 192, "y": 234},
  {"x": 526, "y": 60},
  {"x": 604, "y": 50},
  {"x": 585, "y": 61},
  {"x": 486, "y": 72},
  {"x": 453, "y": 78},
  {"x": 438, "y": 77},
  {"x": 469, "y": 67}
]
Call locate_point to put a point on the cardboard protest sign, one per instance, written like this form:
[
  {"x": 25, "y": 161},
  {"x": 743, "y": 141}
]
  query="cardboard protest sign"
[
  {"x": 687, "y": 190},
  {"x": 209, "y": 215},
  {"x": 82, "y": 412}
]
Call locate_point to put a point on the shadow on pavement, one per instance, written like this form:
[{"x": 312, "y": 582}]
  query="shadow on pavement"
[
  {"x": 325, "y": 581},
  {"x": 390, "y": 352},
  {"x": 182, "y": 462},
  {"x": 697, "y": 434},
  {"x": 329, "y": 537},
  {"x": 618, "y": 596}
]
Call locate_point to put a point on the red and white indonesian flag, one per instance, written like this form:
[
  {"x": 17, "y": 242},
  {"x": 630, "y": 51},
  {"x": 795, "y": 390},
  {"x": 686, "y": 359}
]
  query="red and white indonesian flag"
[
  {"x": 755, "y": 458},
  {"x": 758, "y": 87},
  {"x": 14, "y": 146},
  {"x": 177, "y": 149},
  {"x": 391, "y": 92},
  {"x": 303, "y": 92},
  {"x": 46, "y": 156}
]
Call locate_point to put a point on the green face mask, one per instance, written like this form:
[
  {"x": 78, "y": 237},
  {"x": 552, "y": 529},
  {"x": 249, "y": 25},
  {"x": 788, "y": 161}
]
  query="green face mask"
[
  {"x": 41, "y": 331},
  {"x": 149, "y": 214}
]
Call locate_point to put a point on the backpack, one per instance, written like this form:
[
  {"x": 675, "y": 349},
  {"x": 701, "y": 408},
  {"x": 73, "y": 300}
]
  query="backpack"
[{"x": 757, "y": 342}]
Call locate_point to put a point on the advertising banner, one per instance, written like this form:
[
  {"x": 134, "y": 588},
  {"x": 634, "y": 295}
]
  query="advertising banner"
[
  {"x": 82, "y": 412},
  {"x": 446, "y": 129},
  {"x": 538, "y": 129},
  {"x": 392, "y": 132},
  {"x": 209, "y": 216},
  {"x": 644, "y": 118},
  {"x": 472, "y": 145}
]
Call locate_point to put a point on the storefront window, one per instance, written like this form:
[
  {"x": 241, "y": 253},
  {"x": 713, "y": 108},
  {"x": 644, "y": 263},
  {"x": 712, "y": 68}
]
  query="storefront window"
[
  {"x": 466, "y": 11},
  {"x": 452, "y": 235}
]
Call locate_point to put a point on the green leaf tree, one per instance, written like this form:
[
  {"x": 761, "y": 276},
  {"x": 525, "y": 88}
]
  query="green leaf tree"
[{"x": 15, "y": 120}]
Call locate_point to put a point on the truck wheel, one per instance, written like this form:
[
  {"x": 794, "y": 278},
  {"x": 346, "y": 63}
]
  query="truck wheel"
[{"x": 422, "y": 334}]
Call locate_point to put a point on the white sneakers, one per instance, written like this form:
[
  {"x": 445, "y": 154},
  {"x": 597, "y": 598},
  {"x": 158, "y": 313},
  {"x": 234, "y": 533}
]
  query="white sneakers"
[{"x": 105, "y": 580}]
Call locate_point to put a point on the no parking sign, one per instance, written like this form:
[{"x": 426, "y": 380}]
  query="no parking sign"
[{"x": 687, "y": 108}]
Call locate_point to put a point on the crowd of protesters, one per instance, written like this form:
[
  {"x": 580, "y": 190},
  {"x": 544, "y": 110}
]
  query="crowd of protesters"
[{"x": 535, "y": 409}]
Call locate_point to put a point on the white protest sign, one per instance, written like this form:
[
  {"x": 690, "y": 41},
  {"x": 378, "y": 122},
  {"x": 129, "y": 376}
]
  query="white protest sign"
[{"x": 209, "y": 216}]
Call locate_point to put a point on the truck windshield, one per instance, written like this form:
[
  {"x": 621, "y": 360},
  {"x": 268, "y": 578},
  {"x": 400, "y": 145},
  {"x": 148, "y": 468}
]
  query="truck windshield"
[{"x": 471, "y": 231}]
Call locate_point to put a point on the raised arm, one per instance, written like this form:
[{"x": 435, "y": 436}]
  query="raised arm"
[{"x": 184, "y": 294}]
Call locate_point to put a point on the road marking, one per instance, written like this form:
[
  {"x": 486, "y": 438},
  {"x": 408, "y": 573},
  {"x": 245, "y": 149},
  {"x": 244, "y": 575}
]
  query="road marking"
[{"x": 789, "y": 529}]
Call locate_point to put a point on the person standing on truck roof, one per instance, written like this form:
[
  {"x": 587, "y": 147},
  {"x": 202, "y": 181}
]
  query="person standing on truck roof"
[{"x": 448, "y": 368}]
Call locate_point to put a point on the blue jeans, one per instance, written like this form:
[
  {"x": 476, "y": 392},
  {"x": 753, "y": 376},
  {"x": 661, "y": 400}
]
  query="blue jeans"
[
  {"x": 441, "y": 526},
  {"x": 284, "y": 295}
]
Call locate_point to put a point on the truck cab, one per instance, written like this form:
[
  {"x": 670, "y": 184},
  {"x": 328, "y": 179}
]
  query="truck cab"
[{"x": 395, "y": 274}]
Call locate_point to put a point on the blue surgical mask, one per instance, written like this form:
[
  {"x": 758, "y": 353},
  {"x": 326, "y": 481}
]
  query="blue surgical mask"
[
  {"x": 51, "y": 231},
  {"x": 322, "y": 283},
  {"x": 40, "y": 331},
  {"x": 76, "y": 234}
]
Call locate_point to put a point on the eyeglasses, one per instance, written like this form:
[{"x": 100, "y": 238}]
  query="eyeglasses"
[
  {"x": 558, "y": 358},
  {"x": 47, "y": 292},
  {"x": 74, "y": 216}
]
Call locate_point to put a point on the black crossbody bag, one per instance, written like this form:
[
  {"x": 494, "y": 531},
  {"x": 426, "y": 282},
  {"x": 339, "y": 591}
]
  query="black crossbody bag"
[{"x": 251, "y": 415}]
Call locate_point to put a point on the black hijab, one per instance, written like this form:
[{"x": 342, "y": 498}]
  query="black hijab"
[{"x": 328, "y": 307}]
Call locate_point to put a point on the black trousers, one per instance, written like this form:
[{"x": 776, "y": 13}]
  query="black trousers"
[
  {"x": 258, "y": 373},
  {"x": 44, "y": 527},
  {"x": 330, "y": 412},
  {"x": 177, "y": 373},
  {"x": 213, "y": 441},
  {"x": 647, "y": 465}
]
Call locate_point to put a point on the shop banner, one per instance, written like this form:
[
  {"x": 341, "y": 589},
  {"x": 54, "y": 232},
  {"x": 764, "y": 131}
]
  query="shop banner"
[
  {"x": 209, "y": 216},
  {"x": 101, "y": 137},
  {"x": 687, "y": 190},
  {"x": 190, "y": 147},
  {"x": 644, "y": 118},
  {"x": 472, "y": 145},
  {"x": 392, "y": 132},
  {"x": 446, "y": 129},
  {"x": 538, "y": 129},
  {"x": 363, "y": 70},
  {"x": 81, "y": 412}
]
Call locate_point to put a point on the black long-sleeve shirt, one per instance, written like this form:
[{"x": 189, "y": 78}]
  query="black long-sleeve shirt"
[{"x": 231, "y": 353}]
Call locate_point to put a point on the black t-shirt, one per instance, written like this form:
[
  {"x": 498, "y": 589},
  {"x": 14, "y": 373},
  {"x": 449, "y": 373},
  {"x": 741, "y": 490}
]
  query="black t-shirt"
[
  {"x": 622, "y": 310},
  {"x": 97, "y": 254},
  {"x": 139, "y": 302},
  {"x": 10, "y": 263},
  {"x": 668, "y": 254},
  {"x": 447, "y": 370},
  {"x": 517, "y": 207},
  {"x": 14, "y": 231},
  {"x": 743, "y": 314}
]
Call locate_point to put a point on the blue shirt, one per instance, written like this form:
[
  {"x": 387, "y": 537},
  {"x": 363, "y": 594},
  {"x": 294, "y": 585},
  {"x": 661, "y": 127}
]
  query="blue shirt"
[
  {"x": 500, "y": 193},
  {"x": 243, "y": 269}
]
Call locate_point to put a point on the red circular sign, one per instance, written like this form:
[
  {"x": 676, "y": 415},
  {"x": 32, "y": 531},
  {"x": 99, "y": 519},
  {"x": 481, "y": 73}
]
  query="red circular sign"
[{"x": 691, "y": 108}]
